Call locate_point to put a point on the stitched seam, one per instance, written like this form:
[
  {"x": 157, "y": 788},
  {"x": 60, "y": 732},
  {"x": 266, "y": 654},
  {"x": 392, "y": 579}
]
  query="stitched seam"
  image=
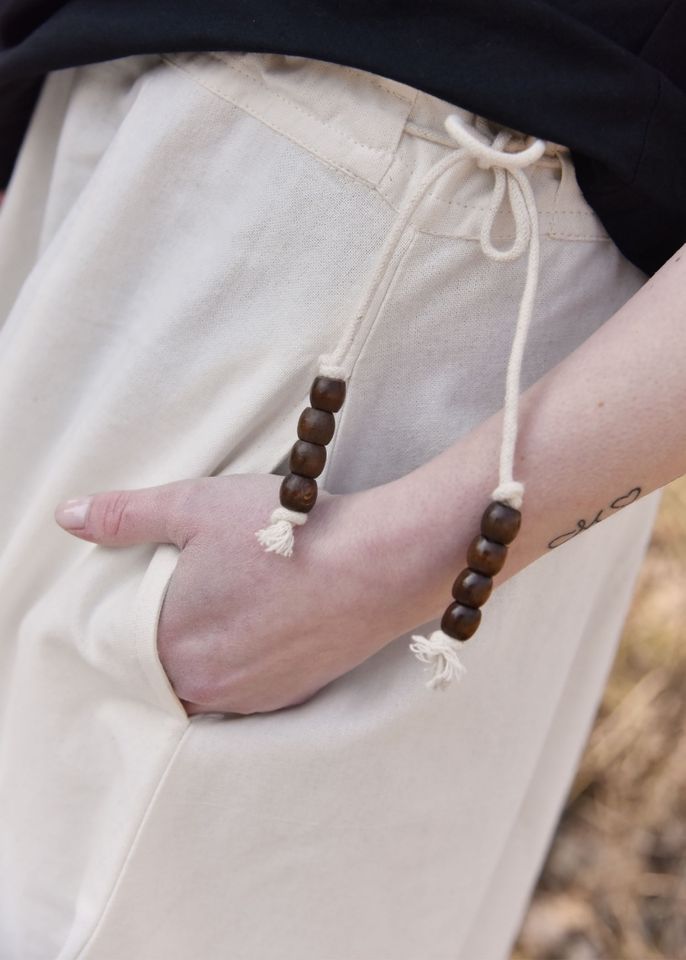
[
  {"x": 298, "y": 107},
  {"x": 414, "y": 129},
  {"x": 595, "y": 237},
  {"x": 550, "y": 233},
  {"x": 251, "y": 111},
  {"x": 375, "y": 83},
  {"x": 370, "y": 78},
  {"x": 481, "y": 209},
  {"x": 546, "y": 210}
]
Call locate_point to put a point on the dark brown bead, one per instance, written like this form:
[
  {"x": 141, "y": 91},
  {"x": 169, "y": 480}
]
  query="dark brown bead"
[
  {"x": 486, "y": 556},
  {"x": 500, "y": 522},
  {"x": 460, "y": 621},
  {"x": 307, "y": 459},
  {"x": 316, "y": 426},
  {"x": 298, "y": 493},
  {"x": 327, "y": 394},
  {"x": 472, "y": 588}
]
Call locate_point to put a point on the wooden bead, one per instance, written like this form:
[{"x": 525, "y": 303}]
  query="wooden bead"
[
  {"x": 472, "y": 588},
  {"x": 460, "y": 621},
  {"x": 327, "y": 394},
  {"x": 316, "y": 426},
  {"x": 486, "y": 556},
  {"x": 500, "y": 522},
  {"x": 307, "y": 459},
  {"x": 298, "y": 493}
]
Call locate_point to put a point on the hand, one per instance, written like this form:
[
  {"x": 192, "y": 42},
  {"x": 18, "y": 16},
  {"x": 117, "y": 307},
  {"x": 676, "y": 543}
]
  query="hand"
[{"x": 241, "y": 630}]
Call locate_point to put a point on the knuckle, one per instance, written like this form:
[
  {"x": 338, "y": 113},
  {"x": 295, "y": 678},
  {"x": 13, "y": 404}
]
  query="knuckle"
[
  {"x": 182, "y": 510},
  {"x": 114, "y": 513}
]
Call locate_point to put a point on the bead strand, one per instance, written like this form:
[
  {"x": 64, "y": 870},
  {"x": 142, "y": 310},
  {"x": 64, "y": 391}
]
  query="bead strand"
[
  {"x": 298, "y": 491},
  {"x": 486, "y": 555},
  {"x": 308, "y": 454}
]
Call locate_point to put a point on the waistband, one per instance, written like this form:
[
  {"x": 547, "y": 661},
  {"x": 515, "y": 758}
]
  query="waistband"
[{"x": 388, "y": 135}]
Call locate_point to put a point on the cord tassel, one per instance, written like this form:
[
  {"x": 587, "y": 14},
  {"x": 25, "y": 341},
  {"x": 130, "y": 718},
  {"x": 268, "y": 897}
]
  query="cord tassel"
[
  {"x": 278, "y": 536},
  {"x": 440, "y": 652}
]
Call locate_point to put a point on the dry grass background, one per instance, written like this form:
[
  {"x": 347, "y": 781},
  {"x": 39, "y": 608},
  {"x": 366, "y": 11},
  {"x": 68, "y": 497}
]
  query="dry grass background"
[{"x": 614, "y": 883}]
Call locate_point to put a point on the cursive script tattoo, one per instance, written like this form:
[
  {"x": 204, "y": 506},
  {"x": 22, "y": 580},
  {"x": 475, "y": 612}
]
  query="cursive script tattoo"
[{"x": 617, "y": 504}]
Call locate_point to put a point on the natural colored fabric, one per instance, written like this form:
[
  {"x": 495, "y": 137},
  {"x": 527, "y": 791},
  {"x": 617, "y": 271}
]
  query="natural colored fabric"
[{"x": 183, "y": 237}]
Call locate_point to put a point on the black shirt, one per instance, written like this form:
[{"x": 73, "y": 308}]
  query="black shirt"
[{"x": 607, "y": 78}]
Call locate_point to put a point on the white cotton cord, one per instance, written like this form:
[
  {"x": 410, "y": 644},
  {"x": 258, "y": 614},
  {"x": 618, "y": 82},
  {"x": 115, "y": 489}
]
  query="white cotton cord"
[
  {"x": 440, "y": 652},
  {"x": 509, "y": 490},
  {"x": 508, "y": 166},
  {"x": 335, "y": 371},
  {"x": 341, "y": 359},
  {"x": 277, "y": 537}
]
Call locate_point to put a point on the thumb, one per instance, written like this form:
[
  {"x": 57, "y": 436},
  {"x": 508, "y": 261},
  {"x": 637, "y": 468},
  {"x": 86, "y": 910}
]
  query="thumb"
[{"x": 122, "y": 518}]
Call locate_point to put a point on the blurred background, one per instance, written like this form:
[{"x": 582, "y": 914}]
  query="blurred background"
[{"x": 614, "y": 883}]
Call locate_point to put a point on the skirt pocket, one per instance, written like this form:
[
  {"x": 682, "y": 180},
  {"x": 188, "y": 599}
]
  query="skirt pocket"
[{"x": 145, "y": 617}]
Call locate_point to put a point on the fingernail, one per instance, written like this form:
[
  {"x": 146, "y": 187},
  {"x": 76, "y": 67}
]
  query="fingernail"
[{"x": 72, "y": 514}]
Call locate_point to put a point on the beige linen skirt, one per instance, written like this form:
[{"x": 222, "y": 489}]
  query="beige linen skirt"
[{"x": 183, "y": 236}]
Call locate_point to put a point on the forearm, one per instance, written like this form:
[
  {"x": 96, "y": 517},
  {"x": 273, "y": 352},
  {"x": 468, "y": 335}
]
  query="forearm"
[{"x": 609, "y": 420}]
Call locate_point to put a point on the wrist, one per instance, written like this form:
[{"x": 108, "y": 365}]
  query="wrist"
[
  {"x": 430, "y": 538},
  {"x": 365, "y": 544},
  {"x": 404, "y": 550},
  {"x": 403, "y": 543},
  {"x": 421, "y": 525}
]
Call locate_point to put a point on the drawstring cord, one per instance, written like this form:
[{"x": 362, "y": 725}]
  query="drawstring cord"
[
  {"x": 439, "y": 650},
  {"x": 509, "y": 167},
  {"x": 278, "y": 537},
  {"x": 339, "y": 363}
]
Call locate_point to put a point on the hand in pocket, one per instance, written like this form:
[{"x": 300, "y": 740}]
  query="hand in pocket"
[{"x": 241, "y": 630}]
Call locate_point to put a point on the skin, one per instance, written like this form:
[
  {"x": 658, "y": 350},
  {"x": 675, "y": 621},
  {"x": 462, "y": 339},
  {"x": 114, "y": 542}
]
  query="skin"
[{"x": 244, "y": 631}]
